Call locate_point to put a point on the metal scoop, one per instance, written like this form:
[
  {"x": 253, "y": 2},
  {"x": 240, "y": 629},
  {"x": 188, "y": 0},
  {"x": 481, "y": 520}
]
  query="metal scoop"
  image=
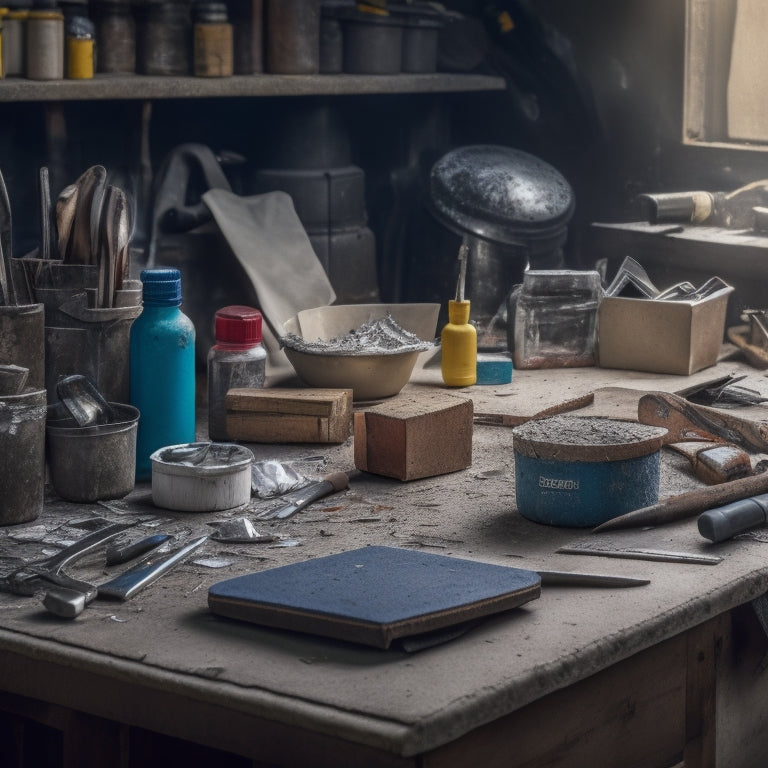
[
  {"x": 13, "y": 379},
  {"x": 83, "y": 400}
]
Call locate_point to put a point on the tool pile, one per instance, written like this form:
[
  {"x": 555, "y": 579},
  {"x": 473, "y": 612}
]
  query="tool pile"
[
  {"x": 79, "y": 277},
  {"x": 91, "y": 229}
]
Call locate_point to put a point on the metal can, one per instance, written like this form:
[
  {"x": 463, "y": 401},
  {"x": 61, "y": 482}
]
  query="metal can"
[{"x": 45, "y": 45}]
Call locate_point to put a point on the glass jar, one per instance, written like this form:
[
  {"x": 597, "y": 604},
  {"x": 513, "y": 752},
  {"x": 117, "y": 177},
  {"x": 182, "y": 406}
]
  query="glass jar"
[{"x": 555, "y": 319}]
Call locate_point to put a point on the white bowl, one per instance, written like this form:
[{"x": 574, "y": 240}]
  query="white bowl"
[{"x": 370, "y": 377}]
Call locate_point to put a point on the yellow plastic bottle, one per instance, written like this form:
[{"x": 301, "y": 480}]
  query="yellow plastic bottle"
[{"x": 459, "y": 347}]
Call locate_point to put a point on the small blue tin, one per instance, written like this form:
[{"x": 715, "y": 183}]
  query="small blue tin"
[{"x": 581, "y": 471}]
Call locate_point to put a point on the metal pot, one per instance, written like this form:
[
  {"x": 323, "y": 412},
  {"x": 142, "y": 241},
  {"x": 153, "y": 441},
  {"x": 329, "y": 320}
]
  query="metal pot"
[{"x": 513, "y": 211}]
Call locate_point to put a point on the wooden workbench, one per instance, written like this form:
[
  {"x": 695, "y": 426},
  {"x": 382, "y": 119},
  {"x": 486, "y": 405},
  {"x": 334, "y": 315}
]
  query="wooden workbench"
[{"x": 664, "y": 675}]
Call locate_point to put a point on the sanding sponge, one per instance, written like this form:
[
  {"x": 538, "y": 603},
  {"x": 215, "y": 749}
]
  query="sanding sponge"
[{"x": 494, "y": 369}]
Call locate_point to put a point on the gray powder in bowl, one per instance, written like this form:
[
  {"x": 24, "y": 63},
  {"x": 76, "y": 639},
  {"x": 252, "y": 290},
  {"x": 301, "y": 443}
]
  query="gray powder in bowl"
[{"x": 376, "y": 337}]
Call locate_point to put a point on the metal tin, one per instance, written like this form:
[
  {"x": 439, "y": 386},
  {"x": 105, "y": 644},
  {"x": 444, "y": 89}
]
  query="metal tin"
[
  {"x": 116, "y": 36},
  {"x": 373, "y": 44},
  {"x": 93, "y": 463},
  {"x": 293, "y": 37},
  {"x": 248, "y": 23},
  {"x": 22, "y": 339},
  {"x": 579, "y": 471},
  {"x": 163, "y": 44},
  {"x": 221, "y": 481},
  {"x": 14, "y": 44},
  {"x": 22, "y": 444},
  {"x": 45, "y": 45}
]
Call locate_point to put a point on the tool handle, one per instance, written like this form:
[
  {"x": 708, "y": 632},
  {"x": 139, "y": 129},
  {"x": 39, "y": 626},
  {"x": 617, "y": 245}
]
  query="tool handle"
[
  {"x": 122, "y": 554},
  {"x": 725, "y": 522},
  {"x": 336, "y": 481},
  {"x": 689, "y": 504},
  {"x": 687, "y": 421}
]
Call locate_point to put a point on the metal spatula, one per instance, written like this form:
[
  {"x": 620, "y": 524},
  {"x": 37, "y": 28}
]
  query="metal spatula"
[{"x": 83, "y": 400}]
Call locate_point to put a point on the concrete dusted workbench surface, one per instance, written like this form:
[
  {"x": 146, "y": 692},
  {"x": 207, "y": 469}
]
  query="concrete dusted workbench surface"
[{"x": 162, "y": 661}]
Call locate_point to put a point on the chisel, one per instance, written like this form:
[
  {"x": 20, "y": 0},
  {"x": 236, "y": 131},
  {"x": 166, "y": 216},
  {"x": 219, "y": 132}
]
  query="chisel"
[{"x": 724, "y": 522}]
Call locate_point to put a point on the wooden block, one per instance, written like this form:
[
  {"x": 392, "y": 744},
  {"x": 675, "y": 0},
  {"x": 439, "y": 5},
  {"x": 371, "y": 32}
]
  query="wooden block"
[
  {"x": 289, "y": 415},
  {"x": 414, "y": 435}
]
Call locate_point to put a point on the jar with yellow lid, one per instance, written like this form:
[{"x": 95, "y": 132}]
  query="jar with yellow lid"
[{"x": 13, "y": 41}]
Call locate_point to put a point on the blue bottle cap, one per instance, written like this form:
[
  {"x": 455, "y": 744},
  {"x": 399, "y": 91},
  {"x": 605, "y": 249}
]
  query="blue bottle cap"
[{"x": 161, "y": 287}]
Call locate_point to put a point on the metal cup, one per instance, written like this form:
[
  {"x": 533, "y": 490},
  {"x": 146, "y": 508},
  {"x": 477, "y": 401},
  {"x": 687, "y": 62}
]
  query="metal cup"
[
  {"x": 22, "y": 339},
  {"x": 22, "y": 456},
  {"x": 88, "y": 464}
]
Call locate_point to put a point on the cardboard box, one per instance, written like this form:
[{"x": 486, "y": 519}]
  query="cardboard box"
[
  {"x": 661, "y": 336},
  {"x": 415, "y": 435},
  {"x": 289, "y": 415}
]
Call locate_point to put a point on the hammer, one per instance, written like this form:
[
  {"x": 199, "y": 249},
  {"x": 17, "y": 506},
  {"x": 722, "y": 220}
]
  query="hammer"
[{"x": 715, "y": 462}]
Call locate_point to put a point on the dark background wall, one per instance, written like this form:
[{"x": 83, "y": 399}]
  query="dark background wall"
[{"x": 594, "y": 87}]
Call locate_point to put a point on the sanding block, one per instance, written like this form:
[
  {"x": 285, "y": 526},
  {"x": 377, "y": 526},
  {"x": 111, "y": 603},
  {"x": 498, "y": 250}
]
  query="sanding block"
[{"x": 374, "y": 595}]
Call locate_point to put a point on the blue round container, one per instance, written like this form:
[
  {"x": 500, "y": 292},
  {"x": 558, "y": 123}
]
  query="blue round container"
[{"x": 581, "y": 471}]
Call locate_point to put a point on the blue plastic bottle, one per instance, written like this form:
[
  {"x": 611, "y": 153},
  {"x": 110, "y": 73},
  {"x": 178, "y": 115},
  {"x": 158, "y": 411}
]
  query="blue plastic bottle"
[{"x": 162, "y": 364}]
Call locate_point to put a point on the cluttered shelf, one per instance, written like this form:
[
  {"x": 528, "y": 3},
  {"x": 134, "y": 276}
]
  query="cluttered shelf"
[{"x": 104, "y": 87}]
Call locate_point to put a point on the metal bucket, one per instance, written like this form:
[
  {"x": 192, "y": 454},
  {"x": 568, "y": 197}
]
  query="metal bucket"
[
  {"x": 94, "y": 342},
  {"x": 88, "y": 464},
  {"x": 22, "y": 446}
]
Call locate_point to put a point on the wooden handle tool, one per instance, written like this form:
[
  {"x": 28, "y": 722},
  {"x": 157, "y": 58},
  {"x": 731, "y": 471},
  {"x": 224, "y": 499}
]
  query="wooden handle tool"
[
  {"x": 689, "y": 504},
  {"x": 686, "y": 422},
  {"x": 715, "y": 462}
]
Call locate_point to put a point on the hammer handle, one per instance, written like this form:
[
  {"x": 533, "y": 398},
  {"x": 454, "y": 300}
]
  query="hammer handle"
[
  {"x": 686, "y": 421},
  {"x": 715, "y": 462}
]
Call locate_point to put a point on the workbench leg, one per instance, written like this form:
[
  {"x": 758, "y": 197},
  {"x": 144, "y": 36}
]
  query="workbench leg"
[
  {"x": 92, "y": 742},
  {"x": 704, "y": 646},
  {"x": 11, "y": 741}
]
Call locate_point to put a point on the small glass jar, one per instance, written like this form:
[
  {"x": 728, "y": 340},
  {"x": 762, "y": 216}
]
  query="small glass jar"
[
  {"x": 80, "y": 33},
  {"x": 555, "y": 319},
  {"x": 213, "y": 54},
  {"x": 236, "y": 360}
]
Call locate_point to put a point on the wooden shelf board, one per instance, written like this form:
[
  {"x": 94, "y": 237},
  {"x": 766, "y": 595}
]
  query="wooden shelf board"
[{"x": 104, "y": 87}]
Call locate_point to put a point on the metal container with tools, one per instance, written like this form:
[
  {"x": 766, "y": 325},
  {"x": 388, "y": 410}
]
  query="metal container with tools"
[
  {"x": 94, "y": 462},
  {"x": 578, "y": 471}
]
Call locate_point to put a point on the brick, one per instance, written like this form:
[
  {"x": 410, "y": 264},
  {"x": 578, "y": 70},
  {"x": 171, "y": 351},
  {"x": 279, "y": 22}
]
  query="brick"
[
  {"x": 415, "y": 435},
  {"x": 289, "y": 415}
]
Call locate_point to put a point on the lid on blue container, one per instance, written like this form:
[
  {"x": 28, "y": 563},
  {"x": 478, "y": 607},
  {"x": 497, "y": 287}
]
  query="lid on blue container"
[{"x": 161, "y": 287}]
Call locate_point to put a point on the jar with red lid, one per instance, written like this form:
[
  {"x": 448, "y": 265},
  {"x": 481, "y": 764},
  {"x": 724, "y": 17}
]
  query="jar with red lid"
[{"x": 236, "y": 360}]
